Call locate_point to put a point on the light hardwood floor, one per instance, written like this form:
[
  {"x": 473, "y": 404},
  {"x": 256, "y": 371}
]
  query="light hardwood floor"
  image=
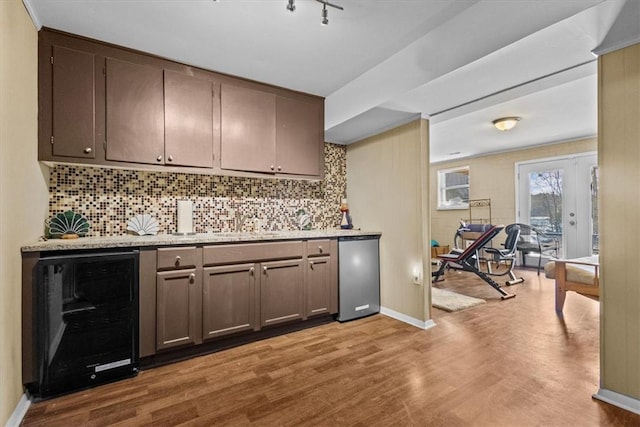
[{"x": 505, "y": 363}]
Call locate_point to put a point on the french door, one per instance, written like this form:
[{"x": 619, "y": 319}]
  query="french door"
[{"x": 559, "y": 197}]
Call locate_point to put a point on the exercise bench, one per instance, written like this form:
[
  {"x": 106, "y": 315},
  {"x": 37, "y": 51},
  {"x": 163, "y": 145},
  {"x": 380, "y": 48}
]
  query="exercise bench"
[{"x": 467, "y": 260}]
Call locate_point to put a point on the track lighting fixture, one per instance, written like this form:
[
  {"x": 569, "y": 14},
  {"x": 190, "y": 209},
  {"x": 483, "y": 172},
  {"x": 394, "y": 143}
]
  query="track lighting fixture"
[{"x": 291, "y": 7}]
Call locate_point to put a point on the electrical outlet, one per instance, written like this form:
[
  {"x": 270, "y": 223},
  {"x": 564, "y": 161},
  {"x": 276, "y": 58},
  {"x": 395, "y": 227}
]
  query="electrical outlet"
[{"x": 417, "y": 275}]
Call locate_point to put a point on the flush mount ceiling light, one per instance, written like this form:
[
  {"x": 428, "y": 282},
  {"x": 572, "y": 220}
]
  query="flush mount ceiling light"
[
  {"x": 291, "y": 6},
  {"x": 505, "y": 123}
]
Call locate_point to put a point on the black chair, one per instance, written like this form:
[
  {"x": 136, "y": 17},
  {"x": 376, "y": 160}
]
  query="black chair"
[
  {"x": 467, "y": 260},
  {"x": 506, "y": 256},
  {"x": 532, "y": 240}
]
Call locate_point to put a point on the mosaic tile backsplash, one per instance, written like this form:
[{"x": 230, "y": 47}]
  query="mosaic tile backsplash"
[{"x": 108, "y": 198}]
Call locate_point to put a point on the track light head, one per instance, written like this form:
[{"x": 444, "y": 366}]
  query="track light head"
[
  {"x": 325, "y": 15},
  {"x": 291, "y": 6}
]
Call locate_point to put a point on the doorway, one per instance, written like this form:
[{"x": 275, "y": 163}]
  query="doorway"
[{"x": 559, "y": 197}]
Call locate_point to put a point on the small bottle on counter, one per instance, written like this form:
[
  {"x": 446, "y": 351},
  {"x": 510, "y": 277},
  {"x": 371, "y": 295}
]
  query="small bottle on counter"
[{"x": 345, "y": 220}]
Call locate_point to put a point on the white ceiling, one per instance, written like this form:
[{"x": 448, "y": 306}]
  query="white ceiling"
[{"x": 380, "y": 63}]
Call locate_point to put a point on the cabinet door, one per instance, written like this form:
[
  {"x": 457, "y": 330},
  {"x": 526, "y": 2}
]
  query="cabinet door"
[
  {"x": 281, "y": 291},
  {"x": 248, "y": 129},
  {"x": 299, "y": 136},
  {"x": 135, "y": 113},
  {"x": 189, "y": 120},
  {"x": 178, "y": 306},
  {"x": 74, "y": 104},
  {"x": 318, "y": 285},
  {"x": 229, "y": 302}
]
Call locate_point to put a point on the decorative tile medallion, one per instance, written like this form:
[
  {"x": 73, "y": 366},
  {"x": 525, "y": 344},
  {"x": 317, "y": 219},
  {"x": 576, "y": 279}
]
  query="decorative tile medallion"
[{"x": 108, "y": 198}]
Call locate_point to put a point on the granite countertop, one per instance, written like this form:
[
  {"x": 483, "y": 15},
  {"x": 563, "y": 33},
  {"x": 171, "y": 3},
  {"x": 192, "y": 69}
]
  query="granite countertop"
[{"x": 131, "y": 241}]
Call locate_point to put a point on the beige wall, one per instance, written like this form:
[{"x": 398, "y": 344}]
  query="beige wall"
[
  {"x": 23, "y": 184},
  {"x": 387, "y": 180},
  {"x": 619, "y": 163},
  {"x": 492, "y": 177}
]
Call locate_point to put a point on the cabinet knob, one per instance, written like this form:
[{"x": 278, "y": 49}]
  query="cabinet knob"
[
  {"x": 272, "y": 167},
  {"x": 178, "y": 260},
  {"x": 252, "y": 271},
  {"x": 279, "y": 168},
  {"x": 88, "y": 150},
  {"x": 159, "y": 158},
  {"x": 311, "y": 264},
  {"x": 320, "y": 249},
  {"x": 170, "y": 158},
  {"x": 192, "y": 278},
  {"x": 264, "y": 269}
]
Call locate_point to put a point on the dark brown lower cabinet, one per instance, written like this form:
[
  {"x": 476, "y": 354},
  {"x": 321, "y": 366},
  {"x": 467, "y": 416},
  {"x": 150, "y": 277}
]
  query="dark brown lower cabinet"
[
  {"x": 205, "y": 293},
  {"x": 318, "y": 285},
  {"x": 229, "y": 300},
  {"x": 281, "y": 291},
  {"x": 178, "y": 308}
]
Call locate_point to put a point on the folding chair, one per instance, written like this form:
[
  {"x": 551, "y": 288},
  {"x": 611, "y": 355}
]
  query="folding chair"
[
  {"x": 506, "y": 256},
  {"x": 466, "y": 260}
]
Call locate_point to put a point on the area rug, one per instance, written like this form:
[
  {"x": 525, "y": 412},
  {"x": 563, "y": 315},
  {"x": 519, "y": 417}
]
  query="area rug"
[{"x": 450, "y": 301}]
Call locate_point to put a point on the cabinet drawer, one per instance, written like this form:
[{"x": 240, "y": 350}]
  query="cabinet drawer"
[
  {"x": 240, "y": 253},
  {"x": 176, "y": 258},
  {"x": 318, "y": 247}
]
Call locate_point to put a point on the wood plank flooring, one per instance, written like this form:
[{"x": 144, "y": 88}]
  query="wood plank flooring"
[{"x": 505, "y": 363}]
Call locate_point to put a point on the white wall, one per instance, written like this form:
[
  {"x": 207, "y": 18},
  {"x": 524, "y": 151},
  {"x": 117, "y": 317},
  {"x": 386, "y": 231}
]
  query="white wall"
[
  {"x": 23, "y": 185},
  {"x": 387, "y": 190}
]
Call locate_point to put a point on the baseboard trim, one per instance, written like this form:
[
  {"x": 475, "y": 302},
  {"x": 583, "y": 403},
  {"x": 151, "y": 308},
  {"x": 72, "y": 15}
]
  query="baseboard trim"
[
  {"x": 428, "y": 324},
  {"x": 620, "y": 400},
  {"x": 19, "y": 412}
]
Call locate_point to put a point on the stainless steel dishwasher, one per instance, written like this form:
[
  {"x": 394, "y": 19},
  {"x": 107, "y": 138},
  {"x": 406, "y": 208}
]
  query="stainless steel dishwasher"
[{"x": 359, "y": 276}]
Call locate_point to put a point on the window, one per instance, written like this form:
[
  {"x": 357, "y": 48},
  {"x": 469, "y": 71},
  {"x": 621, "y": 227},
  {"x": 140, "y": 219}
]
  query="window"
[{"x": 453, "y": 188}]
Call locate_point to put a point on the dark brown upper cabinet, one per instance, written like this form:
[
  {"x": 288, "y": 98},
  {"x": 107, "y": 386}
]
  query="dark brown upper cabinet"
[
  {"x": 248, "y": 121},
  {"x": 73, "y": 94},
  {"x": 159, "y": 117},
  {"x": 135, "y": 113},
  {"x": 264, "y": 132},
  {"x": 299, "y": 136},
  {"x": 191, "y": 120},
  {"x": 101, "y": 104}
]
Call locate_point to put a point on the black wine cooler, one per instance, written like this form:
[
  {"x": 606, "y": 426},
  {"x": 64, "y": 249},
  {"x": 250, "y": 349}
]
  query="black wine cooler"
[{"x": 87, "y": 321}]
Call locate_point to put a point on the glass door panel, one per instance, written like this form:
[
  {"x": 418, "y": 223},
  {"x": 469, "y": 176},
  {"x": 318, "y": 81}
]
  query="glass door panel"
[{"x": 559, "y": 197}]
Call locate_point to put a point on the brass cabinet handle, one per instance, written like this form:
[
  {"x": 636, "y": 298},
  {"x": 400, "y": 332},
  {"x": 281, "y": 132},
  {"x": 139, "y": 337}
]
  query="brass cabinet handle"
[{"x": 88, "y": 150}]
